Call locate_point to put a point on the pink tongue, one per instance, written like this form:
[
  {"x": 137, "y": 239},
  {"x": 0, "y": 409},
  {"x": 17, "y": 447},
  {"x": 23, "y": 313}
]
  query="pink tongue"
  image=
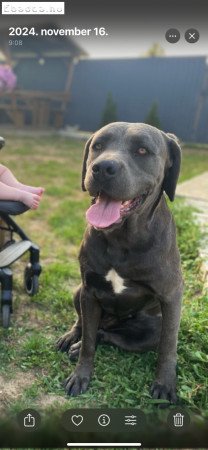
[{"x": 104, "y": 212}]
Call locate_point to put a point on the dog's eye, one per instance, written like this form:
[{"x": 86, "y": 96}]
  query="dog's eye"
[
  {"x": 141, "y": 151},
  {"x": 97, "y": 146}
]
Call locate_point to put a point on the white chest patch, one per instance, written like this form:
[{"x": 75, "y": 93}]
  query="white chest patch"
[{"x": 116, "y": 280}]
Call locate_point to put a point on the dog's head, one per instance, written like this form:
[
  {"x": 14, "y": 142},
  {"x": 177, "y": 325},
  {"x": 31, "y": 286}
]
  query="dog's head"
[{"x": 125, "y": 168}]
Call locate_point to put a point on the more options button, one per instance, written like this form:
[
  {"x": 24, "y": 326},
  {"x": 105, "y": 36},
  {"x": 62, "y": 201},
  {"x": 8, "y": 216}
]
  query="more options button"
[{"x": 172, "y": 36}]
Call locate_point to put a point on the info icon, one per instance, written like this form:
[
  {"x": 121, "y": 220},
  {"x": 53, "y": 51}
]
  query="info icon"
[
  {"x": 104, "y": 420},
  {"x": 172, "y": 35}
]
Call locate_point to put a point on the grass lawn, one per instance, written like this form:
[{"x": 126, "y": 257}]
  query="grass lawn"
[
  {"x": 31, "y": 371},
  {"x": 194, "y": 161}
]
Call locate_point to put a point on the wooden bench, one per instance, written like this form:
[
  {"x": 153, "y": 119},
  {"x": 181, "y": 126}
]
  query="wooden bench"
[{"x": 35, "y": 108}]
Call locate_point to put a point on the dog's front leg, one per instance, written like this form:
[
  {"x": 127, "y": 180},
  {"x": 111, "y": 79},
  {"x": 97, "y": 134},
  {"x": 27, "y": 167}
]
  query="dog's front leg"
[
  {"x": 164, "y": 386},
  {"x": 78, "y": 381}
]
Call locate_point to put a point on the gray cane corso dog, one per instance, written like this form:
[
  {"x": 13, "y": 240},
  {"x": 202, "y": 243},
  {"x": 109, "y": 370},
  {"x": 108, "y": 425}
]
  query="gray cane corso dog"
[{"x": 131, "y": 289}]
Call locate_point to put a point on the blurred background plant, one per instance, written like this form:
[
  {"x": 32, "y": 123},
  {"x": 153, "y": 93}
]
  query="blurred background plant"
[
  {"x": 8, "y": 79},
  {"x": 110, "y": 111}
]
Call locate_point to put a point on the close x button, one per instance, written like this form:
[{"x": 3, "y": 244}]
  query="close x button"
[{"x": 192, "y": 36}]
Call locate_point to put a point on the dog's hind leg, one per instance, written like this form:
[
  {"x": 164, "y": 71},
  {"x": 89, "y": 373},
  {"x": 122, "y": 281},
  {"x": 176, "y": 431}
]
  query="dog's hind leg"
[
  {"x": 74, "y": 334},
  {"x": 140, "y": 334},
  {"x": 74, "y": 351}
]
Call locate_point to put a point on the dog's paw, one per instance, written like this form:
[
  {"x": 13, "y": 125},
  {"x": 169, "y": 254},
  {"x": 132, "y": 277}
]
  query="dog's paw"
[
  {"x": 101, "y": 336},
  {"x": 166, "y": 392},
  {"x": 74, "y": 351},
  {"x": 67, "y": 340},
  {"x": 77, "y": 383}
]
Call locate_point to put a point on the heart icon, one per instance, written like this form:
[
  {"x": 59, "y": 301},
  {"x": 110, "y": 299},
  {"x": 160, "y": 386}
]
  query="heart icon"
[{"x": 77, "y": 420}]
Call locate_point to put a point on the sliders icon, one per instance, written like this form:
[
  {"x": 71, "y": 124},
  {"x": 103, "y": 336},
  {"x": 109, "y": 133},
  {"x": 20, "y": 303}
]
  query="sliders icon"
[{"x": 130, "y": 420}]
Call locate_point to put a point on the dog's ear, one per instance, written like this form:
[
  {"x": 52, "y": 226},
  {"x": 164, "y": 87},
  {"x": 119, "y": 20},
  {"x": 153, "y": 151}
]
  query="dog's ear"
[
  {"x": 172, "y": 172},
  {"x": 84, "y": 164}
]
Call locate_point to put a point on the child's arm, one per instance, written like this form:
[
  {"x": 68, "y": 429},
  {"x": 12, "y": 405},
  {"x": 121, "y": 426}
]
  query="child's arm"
[{"x": 7, "y": 177}]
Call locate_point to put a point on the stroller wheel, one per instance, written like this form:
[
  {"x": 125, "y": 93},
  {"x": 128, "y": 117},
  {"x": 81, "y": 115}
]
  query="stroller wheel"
[
  {"x": 6, "y": 316},
  {"x": 31, "y": 281}
]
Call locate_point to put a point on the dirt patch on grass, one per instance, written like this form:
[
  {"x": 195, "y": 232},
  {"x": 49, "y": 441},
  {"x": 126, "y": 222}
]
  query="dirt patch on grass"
[
  {"x": 51, "y": 400},
  {"x": 12, "y": 390},
  {"x": 29, "y": 313}
]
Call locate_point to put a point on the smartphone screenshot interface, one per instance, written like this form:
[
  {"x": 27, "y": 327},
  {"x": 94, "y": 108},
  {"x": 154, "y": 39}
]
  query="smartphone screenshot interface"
[{"x": 103, "y": 221}]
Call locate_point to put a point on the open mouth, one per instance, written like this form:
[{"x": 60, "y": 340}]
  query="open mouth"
[{"x": 106, "y": 211}]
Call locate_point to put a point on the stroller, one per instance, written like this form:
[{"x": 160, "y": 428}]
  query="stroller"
[{"x": 11, "y": 252}]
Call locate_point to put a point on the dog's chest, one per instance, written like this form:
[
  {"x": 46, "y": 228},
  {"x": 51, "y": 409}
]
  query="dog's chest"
[
  {"x": 119, "y": 295},
  {"x": 116, "y": 281},
  {"x": 119, "y": 277},
  {"x": 124, "y": 267}
]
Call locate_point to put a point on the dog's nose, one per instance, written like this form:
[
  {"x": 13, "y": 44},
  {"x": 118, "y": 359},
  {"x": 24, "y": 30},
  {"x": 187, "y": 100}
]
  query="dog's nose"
[
  {"x": 108, "y": 168},
  {"x": 2, "y": 142}
]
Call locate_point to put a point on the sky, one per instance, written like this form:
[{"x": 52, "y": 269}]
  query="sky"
[
  {"x": 134, "y": 25},
  {"x": 138, "y": 45}
]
